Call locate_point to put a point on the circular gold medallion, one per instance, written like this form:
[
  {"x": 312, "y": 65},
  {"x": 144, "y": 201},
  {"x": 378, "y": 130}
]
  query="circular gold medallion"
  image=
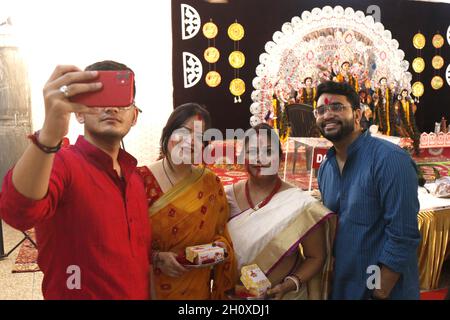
[
  {"x": 213, "y": 79},
  {"x": 237, "y": 87},
  {"x": 418, "y": 65},
  {"x": 211, "y": 55},
  {"x": 438, "y": 41},
  {"x": 417, "y": 89},
  {"x": 437, "y": 82},
  {"x": 437, "y": 62},
  {"x": 210, "y": 30},
  {"x": 419, "y": 41},
  {"x": 236, "y": 59},
  {"x": 236, "y": 31}
]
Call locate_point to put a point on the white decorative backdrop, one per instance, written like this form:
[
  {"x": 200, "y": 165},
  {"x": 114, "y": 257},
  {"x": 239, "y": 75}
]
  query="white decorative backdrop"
[
  {"x": 315, "y": 45},
  {"x": 137, "y": 33}
]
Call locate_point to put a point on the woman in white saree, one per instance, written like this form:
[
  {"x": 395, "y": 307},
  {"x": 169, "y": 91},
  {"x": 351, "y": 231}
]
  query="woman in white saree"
[{"x": 282, "y": 229}]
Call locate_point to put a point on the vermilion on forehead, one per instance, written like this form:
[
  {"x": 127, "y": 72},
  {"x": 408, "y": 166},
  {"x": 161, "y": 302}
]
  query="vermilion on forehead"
[
  {"x": 331, "y": 98},
  {"x": 328, "y": 99}
]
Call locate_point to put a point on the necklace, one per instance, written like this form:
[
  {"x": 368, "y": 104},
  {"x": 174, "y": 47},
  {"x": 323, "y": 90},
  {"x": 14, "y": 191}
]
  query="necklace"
[
  {"x": 164, "y": 168},
  {"x": 266, "y": 200},
  {"x": 167, "y": 175}
]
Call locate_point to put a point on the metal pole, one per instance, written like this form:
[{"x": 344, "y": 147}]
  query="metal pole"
[
  {"x": 312, "y": 170},
  {"x": 2, "y": 248},
  {"x": 285, "y": 158}
]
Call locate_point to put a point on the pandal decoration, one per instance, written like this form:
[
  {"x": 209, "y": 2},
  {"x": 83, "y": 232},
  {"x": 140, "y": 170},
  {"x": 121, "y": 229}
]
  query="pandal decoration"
[
  {"x": 418, "y": 64},
  {"x": 437, "y": 62},
  {"x": 419, "y": 41},
  {"x": 210, "y": 30},
  {"x": 437, "y": 82},
  {"x": 437, "y": 41},
  {"x": 211, "y": 54},
  {"x": 213, "y": 79},
  {"x": 417, "y": 89},
  {"x": 315, "y": 45},
  {"x": 237, "y": 60}
]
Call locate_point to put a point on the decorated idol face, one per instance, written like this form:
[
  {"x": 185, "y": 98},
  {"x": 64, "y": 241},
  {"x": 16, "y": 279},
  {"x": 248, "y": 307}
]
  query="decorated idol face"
[
  {"x": 392, "y": 86},
  {"x": 345, "y": 66},
  {"x": 383, "y": 82},
  {"x": 404, "y": 94},
  {"x": 308, "y": 82}
]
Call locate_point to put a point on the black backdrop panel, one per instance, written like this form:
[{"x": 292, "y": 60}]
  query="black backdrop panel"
[{"x": 261, "y": 18}]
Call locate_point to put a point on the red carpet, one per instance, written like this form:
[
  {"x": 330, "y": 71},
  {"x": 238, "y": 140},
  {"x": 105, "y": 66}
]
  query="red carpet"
[
  {"x": 438, "y": 294},
  {"x": 26, "y": 260}
]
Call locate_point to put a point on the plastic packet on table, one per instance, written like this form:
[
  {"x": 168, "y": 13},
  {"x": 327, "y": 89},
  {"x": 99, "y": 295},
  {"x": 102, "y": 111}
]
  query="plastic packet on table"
[{"x": 441, "y": 188}]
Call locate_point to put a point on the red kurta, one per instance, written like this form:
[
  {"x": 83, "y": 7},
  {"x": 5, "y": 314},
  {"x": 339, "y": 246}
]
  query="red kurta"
[{"x": 91, "y": 219}]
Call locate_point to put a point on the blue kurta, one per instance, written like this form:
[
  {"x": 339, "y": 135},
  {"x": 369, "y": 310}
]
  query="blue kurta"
[{"x": 377, "y": 206}]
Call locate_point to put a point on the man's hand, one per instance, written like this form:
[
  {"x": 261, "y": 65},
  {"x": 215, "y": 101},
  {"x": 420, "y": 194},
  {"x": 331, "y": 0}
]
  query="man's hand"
[
  {"x": 31, "y": 175},
  {"x": 57, "y": 105},
  {"x": 388, "y": 280}
]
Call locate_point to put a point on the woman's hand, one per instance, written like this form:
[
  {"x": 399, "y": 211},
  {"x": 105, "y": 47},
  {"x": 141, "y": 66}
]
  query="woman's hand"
[
  {"x": 277, "y": 292},
  {"x": 222, "y": 245},
  {"x": 167, "y": 262}
]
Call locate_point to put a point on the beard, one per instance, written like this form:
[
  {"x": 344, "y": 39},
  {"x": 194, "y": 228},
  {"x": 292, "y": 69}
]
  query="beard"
[{"x": 343, "y": 130}]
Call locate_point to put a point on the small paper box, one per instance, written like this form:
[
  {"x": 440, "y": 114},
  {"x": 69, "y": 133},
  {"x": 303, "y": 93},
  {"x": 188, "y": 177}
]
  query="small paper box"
[
  {"x": 205, "y": 254},
  {"x": 254, "y": 280}
]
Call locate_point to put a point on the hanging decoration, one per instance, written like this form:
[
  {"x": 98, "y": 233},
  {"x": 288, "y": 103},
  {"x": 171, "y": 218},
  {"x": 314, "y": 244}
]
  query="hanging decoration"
[
  {"x": 438, "y": 41},
  {"x": 418, "y": 65},
  {"x": 418, "y": 89},
  {"x": 237, "y": 60},
  {"x": 190, "y": 22},
  {"x": 211, "y": 54},
  {"x": 448, "y": 35},
  {"x": 437, "y": 82},
  {"x": 192, "y": 69},
  {"x": 447, "y": 75},
  {"x": 419, "y": 41},
  {"x": 437, "y": 62}
]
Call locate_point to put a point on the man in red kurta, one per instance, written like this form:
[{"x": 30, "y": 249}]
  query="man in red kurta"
[{"x": 86, "y": 202}]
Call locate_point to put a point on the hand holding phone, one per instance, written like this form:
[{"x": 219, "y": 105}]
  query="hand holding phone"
[{"x": 117, "y": 90}]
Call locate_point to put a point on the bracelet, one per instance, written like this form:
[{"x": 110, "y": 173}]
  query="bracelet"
[
  {"x": 296, "y": 280},
  {"x": 35, "y": 139}
]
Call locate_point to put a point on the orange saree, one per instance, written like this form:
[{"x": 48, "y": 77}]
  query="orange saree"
[{"x": 193, "y": 212}]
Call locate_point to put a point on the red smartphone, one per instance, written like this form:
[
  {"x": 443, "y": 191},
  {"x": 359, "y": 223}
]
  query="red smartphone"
[{"x": 117, "y": 90}]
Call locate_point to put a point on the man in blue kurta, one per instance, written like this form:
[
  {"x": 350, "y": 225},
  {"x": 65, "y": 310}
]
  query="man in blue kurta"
[{"x": 372, "y": 186}]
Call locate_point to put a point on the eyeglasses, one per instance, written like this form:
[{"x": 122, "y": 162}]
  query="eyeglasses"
[
  {"x": 334, "y": 107},
  {"x": 121, "y": 109}
]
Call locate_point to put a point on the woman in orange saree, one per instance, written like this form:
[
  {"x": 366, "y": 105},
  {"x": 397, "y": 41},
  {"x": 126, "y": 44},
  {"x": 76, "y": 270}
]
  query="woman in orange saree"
[{"x": 187, "y": 207}]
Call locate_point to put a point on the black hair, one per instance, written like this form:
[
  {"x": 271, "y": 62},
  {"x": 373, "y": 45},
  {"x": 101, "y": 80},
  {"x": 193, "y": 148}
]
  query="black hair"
[
  {"x": 178, "y": 117},
  {"x": 339, "y": 88},
  {"x": 111, "y": 65}
]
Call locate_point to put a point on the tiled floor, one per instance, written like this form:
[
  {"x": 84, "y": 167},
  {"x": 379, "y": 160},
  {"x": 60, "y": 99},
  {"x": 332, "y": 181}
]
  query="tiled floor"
[{"x": 17, "y": 286}]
